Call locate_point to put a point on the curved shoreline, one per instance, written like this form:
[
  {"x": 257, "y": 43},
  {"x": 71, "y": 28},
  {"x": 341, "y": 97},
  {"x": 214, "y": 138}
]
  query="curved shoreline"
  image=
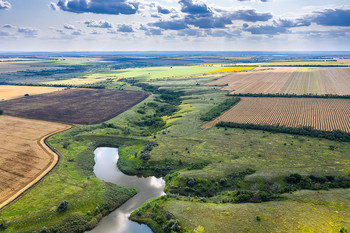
[{"x": 55, "y": 158}]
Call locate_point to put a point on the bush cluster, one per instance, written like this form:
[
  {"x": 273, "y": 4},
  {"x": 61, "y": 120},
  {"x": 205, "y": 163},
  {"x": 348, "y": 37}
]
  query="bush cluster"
[
  {"x": 145, "y": 153},
  {"x": 296, "y": 181}
]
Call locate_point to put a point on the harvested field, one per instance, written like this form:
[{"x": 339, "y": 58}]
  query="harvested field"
[
  {"x": 79, "y": 106},
  {"x": 24, "y": 157},
  {"x": 302, "y": 81},
  {"x": 10, "y": 92},
  {"x": 259, "y": 81},
  {"x": 289, "y": 80},
  {"x": 321, "y": 114},
  {"x": 334, "y": 80}
]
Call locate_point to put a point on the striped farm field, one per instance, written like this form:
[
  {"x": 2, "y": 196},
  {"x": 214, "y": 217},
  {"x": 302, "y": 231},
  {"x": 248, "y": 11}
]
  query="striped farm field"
[
  {"x": 321, "y": 114},
  {"x": 256, "y": 81},
  {"x": 289, "y": 80}
]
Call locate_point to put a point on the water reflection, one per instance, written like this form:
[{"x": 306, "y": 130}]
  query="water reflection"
[{"x": 150, "y": 187}]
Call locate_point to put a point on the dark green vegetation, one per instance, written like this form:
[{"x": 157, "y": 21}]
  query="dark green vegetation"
[
  {"x": 335, "y": 135},
  {"x": 218, "y": 180},
  {"x": 219, "y": 109},
  {"x": 80, "y": 106},
  {"x": 1, "y": 112},
  {"x": 166, "y": 104}
]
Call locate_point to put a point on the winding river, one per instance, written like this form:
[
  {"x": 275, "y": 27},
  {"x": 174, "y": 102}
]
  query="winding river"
[{"x": 118, "y": 221}]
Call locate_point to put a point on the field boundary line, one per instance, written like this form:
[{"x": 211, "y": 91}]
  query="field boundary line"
[{"x": 55, "y": 158}]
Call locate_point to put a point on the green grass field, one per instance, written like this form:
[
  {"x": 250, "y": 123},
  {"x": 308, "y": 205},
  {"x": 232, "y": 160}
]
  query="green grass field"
[
  {"x": 304, "y": 211},
  {"x": 144, "y": 74}
]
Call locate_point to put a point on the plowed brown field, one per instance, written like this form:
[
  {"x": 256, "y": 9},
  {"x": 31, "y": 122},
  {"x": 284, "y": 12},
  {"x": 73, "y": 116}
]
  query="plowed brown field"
[
  {"x": 289, "y": 80},
  {"x": 10, "y": 92},
  {"x": 24, "y": 157},
  {"x": 80, "y": 106},
  {"x": 321, "y": 114}
]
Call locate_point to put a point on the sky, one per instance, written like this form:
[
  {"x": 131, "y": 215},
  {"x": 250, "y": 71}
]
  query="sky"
[{"x": 174, "y": 25}]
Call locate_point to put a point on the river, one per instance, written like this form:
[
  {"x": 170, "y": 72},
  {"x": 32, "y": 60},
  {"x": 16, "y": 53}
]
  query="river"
[{"x": 118, "y": 221}]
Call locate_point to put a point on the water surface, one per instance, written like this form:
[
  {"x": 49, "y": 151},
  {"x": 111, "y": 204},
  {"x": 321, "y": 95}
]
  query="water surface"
[{"x": 150, "y": 187}]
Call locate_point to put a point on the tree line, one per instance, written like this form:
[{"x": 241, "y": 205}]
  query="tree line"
[
  {"x": 335, "y": 135},
  {"x": 219, "y": 109}
]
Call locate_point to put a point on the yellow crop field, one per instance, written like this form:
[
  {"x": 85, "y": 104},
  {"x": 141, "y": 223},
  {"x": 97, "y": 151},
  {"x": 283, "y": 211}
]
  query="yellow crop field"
[
  {"x": 10, "y": 92},
  {"x": 24, "y": 157},
  {"x": 233, "y": 69}
]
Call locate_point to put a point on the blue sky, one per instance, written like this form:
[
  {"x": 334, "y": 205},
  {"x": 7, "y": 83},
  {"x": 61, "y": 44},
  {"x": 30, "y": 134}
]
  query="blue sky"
[{"x": 142, "y": 25}]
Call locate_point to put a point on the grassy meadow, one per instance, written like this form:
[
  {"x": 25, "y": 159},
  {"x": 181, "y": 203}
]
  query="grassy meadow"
[{"x": 144, "y": 74}]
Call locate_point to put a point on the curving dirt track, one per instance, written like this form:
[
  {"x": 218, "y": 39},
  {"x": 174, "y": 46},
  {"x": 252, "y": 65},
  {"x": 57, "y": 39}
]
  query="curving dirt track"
[{"x": 24, "y": 157}]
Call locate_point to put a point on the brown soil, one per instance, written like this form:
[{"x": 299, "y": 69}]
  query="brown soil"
[{"x": 80, "y": 106}]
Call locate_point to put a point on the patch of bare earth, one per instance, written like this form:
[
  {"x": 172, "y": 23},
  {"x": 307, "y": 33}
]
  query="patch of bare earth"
[{"x": 79, "y": 106}]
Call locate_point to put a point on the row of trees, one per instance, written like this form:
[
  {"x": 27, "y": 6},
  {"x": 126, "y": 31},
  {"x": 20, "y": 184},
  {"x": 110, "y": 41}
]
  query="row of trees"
[
  {"x": 335, "y": 135},
  {"x": 219, "y": 109},
  {"x": 296, "y": 181}
]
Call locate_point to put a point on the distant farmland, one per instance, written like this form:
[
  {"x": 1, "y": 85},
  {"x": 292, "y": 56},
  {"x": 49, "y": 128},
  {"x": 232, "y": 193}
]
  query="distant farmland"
[
  {"x": 79, "y": 106},
  {"x": 24, "y": 158},
  {"x": 289, "y": 80},
  {"x": 321, "y": 114},
  {"x": 144, "y": 74},
  {"x": 10, "y": 92}
]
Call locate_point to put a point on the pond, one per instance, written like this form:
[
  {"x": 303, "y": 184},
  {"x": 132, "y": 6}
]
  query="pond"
[{"x": 118, "y": 221}]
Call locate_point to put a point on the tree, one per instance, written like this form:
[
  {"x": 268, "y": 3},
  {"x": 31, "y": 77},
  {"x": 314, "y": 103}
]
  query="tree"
[
  {"x": 1, "y": 112},
  {"x": 3, "y": 226},
  {"x": 63, "y": 206}
]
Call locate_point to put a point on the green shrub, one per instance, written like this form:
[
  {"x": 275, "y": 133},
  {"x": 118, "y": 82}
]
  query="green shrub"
[
  {"x": 63, "y": 206},
  {"x": 3, "y": 226}
]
